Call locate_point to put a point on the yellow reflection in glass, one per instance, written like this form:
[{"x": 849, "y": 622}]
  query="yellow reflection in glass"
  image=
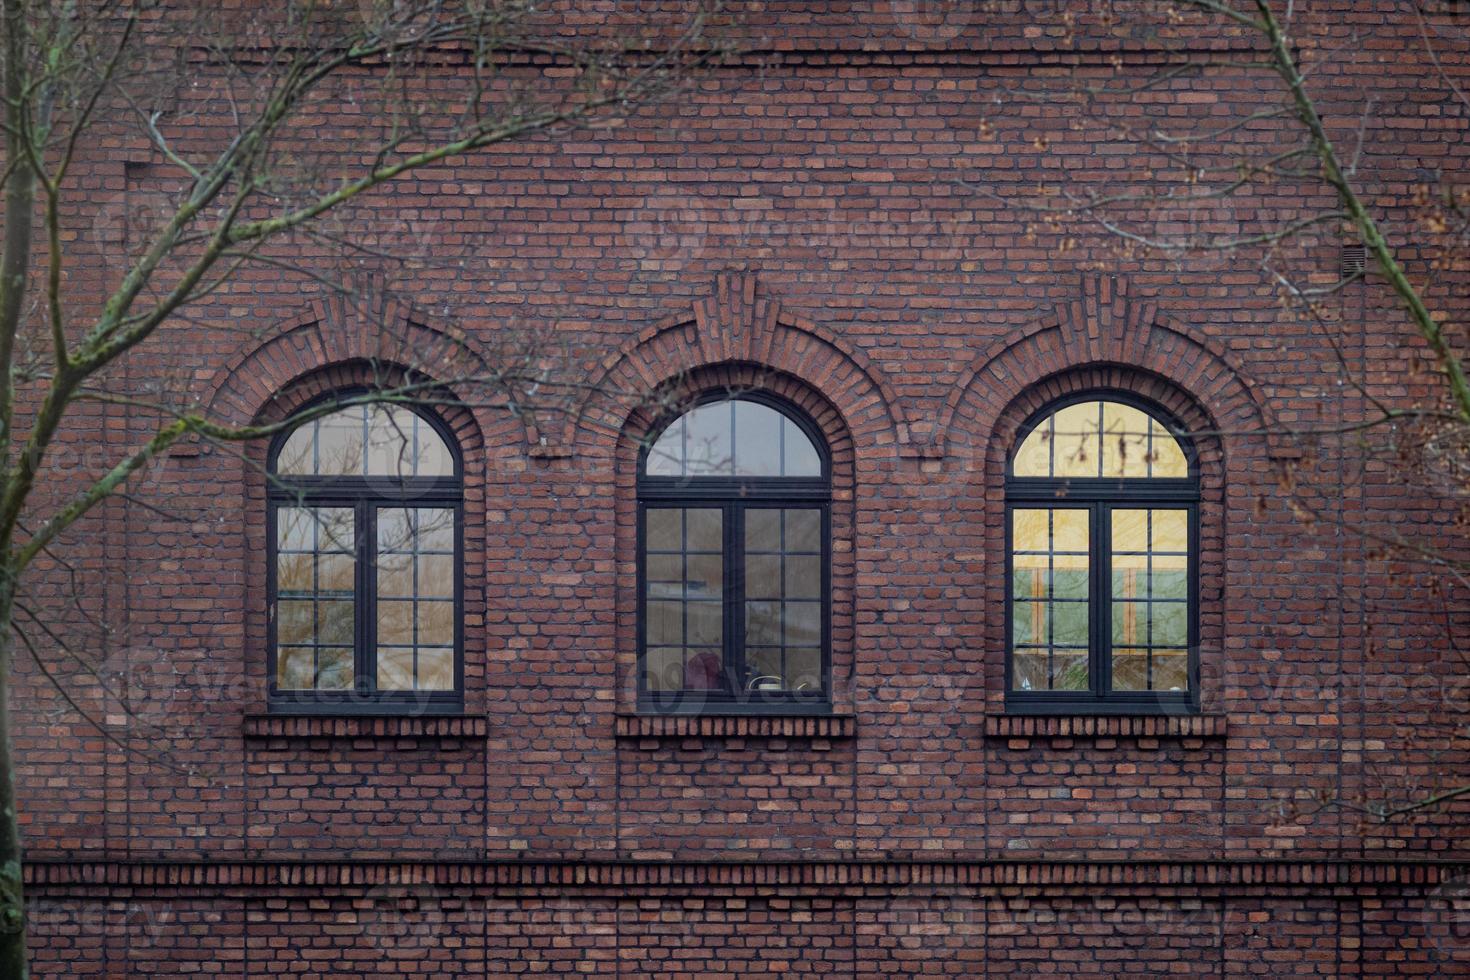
[
  {"x": 1171, "y": 530},
  {"x": 1069, "y": 530},
  {"x": 1034, "y": 456},
  {"x": 1168, "y": 457},
  {"x": 1100, "y": 439},
  {"x": 1124, "y": 441},
  {"x": 1029, "y": 530},
  {"x": 1076, "y": 440},
  {"x": 1130, "y": 531}
]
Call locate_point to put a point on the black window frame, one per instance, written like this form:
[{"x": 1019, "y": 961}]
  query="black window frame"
[
  {"x": 365, "y": 495},
  {"x": 734, "y": 496},
  {"x": 1100, "y": 496}
]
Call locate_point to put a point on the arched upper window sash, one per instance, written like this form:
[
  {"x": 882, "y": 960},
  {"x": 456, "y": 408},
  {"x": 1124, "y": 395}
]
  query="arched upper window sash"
[
  {"x": 370, "y": 440},
  {"x": 1104, "y": 438},
  {"x": 734, "y": 438}
]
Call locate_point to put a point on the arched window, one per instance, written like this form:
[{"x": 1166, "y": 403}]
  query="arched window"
[
  {"x": 1102, "y": 501},
  {"x": 734, "y": 586},
  {"x": 365, "y": 562}
]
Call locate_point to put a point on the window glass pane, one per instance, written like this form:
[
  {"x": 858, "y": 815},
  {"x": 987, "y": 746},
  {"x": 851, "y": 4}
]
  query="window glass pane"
[
  {"x": 1034, "y": 456},
  {"x": 1029, "y": 671},
  {"x": 708, "y": 445},
  {"x": 800, "y": 457},
  {"x": 767, "y": 669},
  {"x": 664, "y": 529},
  {"x": 666, "y": 457},
  {"x": 296, "y": 456},
  {"x": 395, "y": 622},
  {"x": 296, "y": 528},
  {"x": 706, "y": 576},
  {"x": 436, "y": 669},
  {"x": 435, "y": 623},
  {"x": 1050, "y": 589},
  {"x": 295, "y": 622},
  {"x": 757, "y": 439},
  {"x": 804, "y": 670},
  {"x": 663, "y": 569},
  {"x": 803, "y": 577},
  {"x": 1077, "y": 440},
  {"x": 663, "y": 668},
  {"x": 395, "y": 576},
  {"x": 762, "y": 624},
  {"x": 1130, "y": 670},
  {"x": 1171, "y": 670},
  {"x": 1169, "y": 626},
  {"x": 334, "y": 623},
  {"x": 390, "y": 441},
  {"x": 1069, "y": 671},
  {"x": 763, "y": 530},
  {"x": 762, "y": 576},
  {"x": 1069, "y": 624},
  {"x": 803, "y": 531},
  {"x": 702, "y": 670},
  {"x": 705, "y": 623},
  {"x": 1125, "y": 441},
  {"x": 664, "y": 623},
  {"x": 436, "y": 575},
  {"x": 294, "y": 573},
  {"x": 706, "y": 530},
  {"x": 339, "y": 443},
  {"x": 803, "y": 623},
  {"x": 295, "y": 668},
  {"x": 335, "y": 573},
  {"x": 334, "y": 669},
  {"x": 395, "y": 669},
  {"x": 1168, "y": 457}
]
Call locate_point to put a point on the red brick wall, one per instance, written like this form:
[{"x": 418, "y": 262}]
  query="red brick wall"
[{"x": 797, "y": 223}]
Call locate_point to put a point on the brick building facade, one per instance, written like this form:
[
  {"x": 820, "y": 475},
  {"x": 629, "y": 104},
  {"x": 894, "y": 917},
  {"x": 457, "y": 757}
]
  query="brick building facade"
[{"x": 823, "y": 222}]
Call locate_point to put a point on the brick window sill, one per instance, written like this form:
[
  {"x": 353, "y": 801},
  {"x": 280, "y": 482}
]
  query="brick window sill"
[
  {"x": 366, "y": 726},
  {"x": 736, "y": 726},
  {"x": 1106, "y": 726}
]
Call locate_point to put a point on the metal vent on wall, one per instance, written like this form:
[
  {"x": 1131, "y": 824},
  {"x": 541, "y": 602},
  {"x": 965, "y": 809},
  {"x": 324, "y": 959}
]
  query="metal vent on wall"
[{"x": 1354, "y": 259}]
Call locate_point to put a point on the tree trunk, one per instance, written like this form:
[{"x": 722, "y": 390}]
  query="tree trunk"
[{"x": 12, "y": 897}]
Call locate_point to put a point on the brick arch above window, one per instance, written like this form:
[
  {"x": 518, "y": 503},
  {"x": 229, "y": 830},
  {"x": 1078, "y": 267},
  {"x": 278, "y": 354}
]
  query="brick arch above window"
[
  {"x": 253, "y": 384},
  {"x": 738, "y": 324},
  {"x": 1105, "y": 328}
]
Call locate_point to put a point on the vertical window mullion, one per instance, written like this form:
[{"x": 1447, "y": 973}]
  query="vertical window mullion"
[
  {"x": 366, "y": 619},
  {"x": 733, "y": 520},
  {"x": 1101, "y": 616}
]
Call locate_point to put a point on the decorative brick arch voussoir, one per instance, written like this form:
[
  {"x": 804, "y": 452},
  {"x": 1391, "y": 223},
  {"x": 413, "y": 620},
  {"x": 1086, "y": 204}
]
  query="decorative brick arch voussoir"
[
  {"x": 736, "y": 326},
  {"x": 256, "y": 382},
  {"x": 1103, "y": 326}
]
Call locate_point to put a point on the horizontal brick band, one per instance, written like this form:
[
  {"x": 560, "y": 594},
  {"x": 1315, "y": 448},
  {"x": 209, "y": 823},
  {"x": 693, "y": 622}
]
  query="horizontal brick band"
[
  {"x": 307, "y": 726},
  {"x": 1120, "y": 726},
  {"x": 1277, "y": 874},
  {"x": 735, "y": 726}
]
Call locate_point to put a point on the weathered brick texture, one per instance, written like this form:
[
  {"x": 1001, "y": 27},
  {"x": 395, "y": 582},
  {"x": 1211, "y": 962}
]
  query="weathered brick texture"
[{"x": 831, "y": 216}]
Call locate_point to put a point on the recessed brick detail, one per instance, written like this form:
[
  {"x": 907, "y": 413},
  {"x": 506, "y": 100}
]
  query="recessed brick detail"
[
  {"x": 735, "y": 726},
  {"x": 305, "y": 726},
  {"x": 766, "y": 875},
  {"x": 1092, "y": 726}
]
